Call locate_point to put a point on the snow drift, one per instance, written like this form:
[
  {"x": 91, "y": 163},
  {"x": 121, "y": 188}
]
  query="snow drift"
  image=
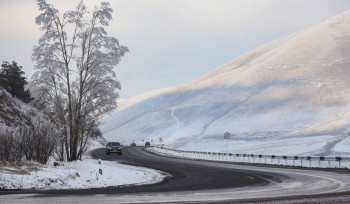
[{"x": 288, "y": 96}]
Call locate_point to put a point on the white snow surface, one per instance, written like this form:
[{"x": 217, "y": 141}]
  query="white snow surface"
[
  {"x": 291, "y": 95},
  {"x": 78, "y": 175}
]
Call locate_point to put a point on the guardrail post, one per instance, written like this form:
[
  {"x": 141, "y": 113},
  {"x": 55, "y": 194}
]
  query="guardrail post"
[
  {"x": 285, "y": 159},
  {"x": 321, "y": 159},
  {"x": 302, "y": 161},
  {"x": 309, "y": 158},
  {"x": 295, "y": 158},
  {"x": 339, "y": 160}
]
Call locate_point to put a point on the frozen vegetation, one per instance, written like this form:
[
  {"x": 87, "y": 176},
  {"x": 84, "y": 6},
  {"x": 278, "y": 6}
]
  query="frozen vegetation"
[
  {"x": 74, "y": 175},
  {"x": 290, "y": 96},
  {"x": 19, "y": 173}
]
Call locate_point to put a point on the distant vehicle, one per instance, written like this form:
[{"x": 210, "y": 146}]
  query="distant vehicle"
[
  {"x": 133, "y": 144},
  {"x": 114, "y": 147},
  {"x": 147, "y": 144}
]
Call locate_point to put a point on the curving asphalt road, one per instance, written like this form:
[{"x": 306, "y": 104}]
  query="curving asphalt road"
[
  {"x": 185, "y": 175},
  {"x": 204, "y": 181}
]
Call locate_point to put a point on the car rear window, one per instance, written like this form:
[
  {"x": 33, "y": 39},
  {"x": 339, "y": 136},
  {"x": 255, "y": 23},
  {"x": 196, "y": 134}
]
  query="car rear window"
[{"x": 114, "y": 144}]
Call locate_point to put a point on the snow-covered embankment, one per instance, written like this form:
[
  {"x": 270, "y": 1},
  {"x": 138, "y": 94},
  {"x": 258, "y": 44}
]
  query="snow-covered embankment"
[{"x": 75, "y": 175}]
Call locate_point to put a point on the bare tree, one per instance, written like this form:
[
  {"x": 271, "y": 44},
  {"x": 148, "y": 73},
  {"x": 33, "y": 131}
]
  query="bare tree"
[{"x": 74, "y": 70}]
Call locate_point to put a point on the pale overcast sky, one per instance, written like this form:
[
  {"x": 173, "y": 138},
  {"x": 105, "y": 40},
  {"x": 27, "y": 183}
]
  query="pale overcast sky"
[{"x": 172, "y": 42}]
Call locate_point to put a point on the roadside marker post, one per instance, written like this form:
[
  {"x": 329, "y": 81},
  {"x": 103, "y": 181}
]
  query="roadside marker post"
[
  {"x": 227, "y": 136},
  {"x": 100, "y": 169}
]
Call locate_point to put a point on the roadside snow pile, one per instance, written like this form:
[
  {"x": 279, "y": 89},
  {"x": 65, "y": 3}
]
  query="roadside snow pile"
[{"x": 74, "y": 175}]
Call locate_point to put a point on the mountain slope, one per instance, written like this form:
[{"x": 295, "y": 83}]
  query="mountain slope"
[{"x": 291, "y": 95}]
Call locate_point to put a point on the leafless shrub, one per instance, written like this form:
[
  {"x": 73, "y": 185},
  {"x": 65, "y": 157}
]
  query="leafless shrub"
[
  {"x": 37, "y": 141},
  {"x": 10, "y": 148}
]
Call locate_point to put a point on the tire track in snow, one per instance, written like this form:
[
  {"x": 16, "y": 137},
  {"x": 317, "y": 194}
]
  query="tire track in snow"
[
  {"x": 252, "y": 92},
  {"x": 177, "y": 121}
]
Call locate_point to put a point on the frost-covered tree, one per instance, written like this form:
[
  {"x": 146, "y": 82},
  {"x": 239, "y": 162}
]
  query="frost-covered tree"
[{"x": 74, "y": 71}]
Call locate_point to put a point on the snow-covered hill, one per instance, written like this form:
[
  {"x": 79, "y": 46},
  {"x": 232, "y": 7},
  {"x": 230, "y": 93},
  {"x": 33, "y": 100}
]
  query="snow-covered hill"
[
  {"x": 14, "y": 112},
  {"x": 288, "y": 96}
]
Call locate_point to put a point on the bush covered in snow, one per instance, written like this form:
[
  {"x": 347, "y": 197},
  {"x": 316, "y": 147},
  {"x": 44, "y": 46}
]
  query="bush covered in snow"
[{"x": 24, "y": 131}]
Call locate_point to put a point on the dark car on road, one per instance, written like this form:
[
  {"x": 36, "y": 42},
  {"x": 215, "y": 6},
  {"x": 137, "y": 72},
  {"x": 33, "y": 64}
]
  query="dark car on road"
[
  {"x": 133, "y": 144},
  {"x": 147, "y": 144},
  {"x": 114, "y": 147}
]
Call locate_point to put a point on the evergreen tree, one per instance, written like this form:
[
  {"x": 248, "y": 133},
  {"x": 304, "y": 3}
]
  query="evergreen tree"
[{"x": 12, "y": 80}]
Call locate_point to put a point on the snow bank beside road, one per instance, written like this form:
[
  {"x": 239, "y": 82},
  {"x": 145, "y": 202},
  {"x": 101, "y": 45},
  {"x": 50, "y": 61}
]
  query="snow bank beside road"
[{"x": 76, "y": 175}]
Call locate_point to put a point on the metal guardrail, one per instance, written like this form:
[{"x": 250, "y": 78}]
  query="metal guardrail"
[{"x": 304, "y": 161}]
